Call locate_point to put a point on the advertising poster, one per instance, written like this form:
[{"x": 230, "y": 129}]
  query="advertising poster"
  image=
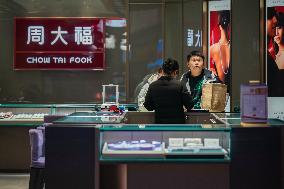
[
  {"x": 275, "y": 57},
  {"x": 219, "y": 42}
]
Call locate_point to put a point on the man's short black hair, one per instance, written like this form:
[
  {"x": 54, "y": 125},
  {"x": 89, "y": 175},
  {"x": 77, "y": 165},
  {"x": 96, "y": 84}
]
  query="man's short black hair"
[
  {"x": 195, "y": 53},
  {"x": 169, "y": 66}
]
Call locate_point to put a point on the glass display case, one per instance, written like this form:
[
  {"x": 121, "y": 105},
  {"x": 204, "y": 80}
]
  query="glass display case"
[
  {"x": 34, "y": 113},
  {"x": 234, "y": 120},
  {"x": 21, "y": 114},
  {"x": 92, "y": 118},
  {"x": 153, "y": 142},
  {"x": 213, "y": 146},
  {"x": 17, "y": 119}
]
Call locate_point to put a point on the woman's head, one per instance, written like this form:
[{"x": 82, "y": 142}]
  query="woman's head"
[
  {"x": 279, "y": 35},
  {"x": 224, "y": 19},
  {"x": 170, "y": 67},
  {"x": 279, "y": 39},
  {"x": 279, "y": 29}
]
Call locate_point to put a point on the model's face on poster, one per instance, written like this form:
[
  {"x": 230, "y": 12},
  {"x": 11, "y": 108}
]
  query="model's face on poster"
[
  {"x": 279, "y": 35},
  {"x": 271, "y": 23},
  {"x": 195, "y": 63}
]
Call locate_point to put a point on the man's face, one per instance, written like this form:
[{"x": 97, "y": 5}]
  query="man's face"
[
  {"x": 271, "y": 23},
  {"x": 195, "y": 64}
]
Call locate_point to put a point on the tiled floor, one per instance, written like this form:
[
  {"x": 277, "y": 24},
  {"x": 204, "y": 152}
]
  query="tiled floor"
[{"x": 14, "y": 181}]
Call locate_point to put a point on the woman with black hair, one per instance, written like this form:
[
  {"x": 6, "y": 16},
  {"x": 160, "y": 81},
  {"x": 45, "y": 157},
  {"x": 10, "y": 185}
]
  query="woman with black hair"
[
  {"x": 276, "y": 76},
  {"x": 167, "y": 96},
  {"x": 220, "y": 51},
  {"x": 271, "y": 67},
  {"x": 279, "y": 41}
]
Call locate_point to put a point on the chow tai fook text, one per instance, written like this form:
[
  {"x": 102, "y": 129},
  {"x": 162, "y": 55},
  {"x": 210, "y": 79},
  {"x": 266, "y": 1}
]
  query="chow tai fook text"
[
  {"x": 59, "y": 60},
  {"x": 59, "y": 43}
]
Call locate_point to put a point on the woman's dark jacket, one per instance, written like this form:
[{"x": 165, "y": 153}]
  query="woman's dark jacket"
[{"x": 167, "y": 97}]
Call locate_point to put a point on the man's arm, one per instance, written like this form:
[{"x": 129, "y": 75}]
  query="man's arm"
[
  {"x": 148, "y": 104},
  {"x": 186, "y": 99},
  {"x": 183, "y": 78}
]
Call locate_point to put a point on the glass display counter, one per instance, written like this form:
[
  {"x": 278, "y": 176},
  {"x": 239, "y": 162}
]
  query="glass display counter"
[
  {"x": 121, "y": 141},
  {"x": 23, "y": 114},
  {"x": 91, "y": 118},
  {"x": 17, "y": 119},
  {"x": 212, "y": 147},
  {"x": 165, "y": 143},
  {"x": 234, "y": 120},
  {"x": 15, "y": 122},
  {"x": 20, "y": 114}
]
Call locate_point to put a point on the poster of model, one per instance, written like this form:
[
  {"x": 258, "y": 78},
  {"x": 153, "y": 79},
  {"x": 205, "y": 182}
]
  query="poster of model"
[
  {"x": 219, "y": 39},
  {"x": 219, "y": 22},
  {"x": 275, "y": 57}
]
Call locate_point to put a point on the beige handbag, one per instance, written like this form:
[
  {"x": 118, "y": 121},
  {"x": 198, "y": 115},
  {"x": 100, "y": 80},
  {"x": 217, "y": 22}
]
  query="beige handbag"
[{"x": 214, "y": 97}]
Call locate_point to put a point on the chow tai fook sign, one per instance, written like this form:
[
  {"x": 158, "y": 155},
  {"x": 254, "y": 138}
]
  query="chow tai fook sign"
[{"x": 59, "y": 44}]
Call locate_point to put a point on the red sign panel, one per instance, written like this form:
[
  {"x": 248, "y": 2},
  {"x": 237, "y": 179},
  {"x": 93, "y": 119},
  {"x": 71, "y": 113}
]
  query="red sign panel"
[{"x": 59, "y": 43}]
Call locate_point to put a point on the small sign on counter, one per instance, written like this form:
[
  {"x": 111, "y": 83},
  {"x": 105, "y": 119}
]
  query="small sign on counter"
[{"x": 254, "y": 103}]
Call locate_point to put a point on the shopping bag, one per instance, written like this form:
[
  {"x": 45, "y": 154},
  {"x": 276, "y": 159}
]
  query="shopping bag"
[{"x": 214, "y": 97}]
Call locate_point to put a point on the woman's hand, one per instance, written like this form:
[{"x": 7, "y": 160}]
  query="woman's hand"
[
  {"x": 277, "y": 39},
  {"x": 280, "y": 60}
]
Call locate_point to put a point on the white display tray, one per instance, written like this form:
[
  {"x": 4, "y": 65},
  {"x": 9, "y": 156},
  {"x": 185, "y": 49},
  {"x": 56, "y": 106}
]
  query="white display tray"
[
  {"x": 160, "y": 150},
  {"x": 157, "y": 153}
]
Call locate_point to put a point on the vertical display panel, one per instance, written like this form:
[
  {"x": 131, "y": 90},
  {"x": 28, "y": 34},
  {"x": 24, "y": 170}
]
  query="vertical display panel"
[
  {"x": 219, "y": 42},
  {"x": 275, "y": 57},
  {"x": 220, "y": 39},
  {"x": 192, "y": 28},
  {"x": 59, "y": 43}
]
